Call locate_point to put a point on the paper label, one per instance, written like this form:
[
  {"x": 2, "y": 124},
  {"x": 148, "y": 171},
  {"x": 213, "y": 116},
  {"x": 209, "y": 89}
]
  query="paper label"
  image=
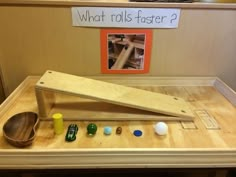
[{"x": 125, "y": 17}]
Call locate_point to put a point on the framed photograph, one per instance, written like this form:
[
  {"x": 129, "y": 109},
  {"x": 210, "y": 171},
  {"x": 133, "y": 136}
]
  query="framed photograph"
[{"x": 125, "y": 51}]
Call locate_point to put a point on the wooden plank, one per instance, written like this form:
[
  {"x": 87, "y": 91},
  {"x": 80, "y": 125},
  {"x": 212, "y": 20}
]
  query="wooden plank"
[
  {"x": 112, "y": 93},
  {"x": 77, "y": 108},
  {"x": 136, "y": 43},
  {"x": 123, "y": 57}
]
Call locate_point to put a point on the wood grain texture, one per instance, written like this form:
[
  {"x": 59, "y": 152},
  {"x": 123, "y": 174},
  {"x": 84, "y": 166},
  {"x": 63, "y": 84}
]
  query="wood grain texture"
[
  {"x": 46, "y": 100},
  {"x": 216, "y": 4},
  {"x": 42, "y": 38},
  {"x": 63, "y": 83},
  {"x": 180, "y": 148},
  {"x": 123, "y": 57},
  {"x": 20, "y": 129}
]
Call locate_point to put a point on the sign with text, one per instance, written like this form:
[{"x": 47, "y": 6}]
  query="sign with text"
[{"x": 125, "y": 17}]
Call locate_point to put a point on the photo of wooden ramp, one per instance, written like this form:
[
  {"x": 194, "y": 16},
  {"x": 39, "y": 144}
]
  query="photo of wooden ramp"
[
  {"x": 123, "y": 57},
  {"x": 172, "y": 108}
]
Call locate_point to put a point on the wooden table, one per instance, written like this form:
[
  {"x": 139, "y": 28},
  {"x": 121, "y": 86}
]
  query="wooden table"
[{"x": 207, "y": 142}]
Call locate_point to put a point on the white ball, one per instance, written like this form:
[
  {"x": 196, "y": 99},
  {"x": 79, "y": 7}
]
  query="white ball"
[{"x": 161, "y": 128}]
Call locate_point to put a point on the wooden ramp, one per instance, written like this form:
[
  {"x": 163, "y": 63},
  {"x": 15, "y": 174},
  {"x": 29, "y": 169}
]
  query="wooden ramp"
[
  {"x": 53, "y": 81},
  {"x": 123, "y": 57}
]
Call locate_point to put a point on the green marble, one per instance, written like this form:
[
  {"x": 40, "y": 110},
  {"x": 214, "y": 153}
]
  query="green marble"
[{"x": 92, "y": 129}]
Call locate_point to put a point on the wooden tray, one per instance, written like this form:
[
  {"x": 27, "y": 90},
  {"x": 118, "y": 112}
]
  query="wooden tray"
[{"x": 209, "y": 141}]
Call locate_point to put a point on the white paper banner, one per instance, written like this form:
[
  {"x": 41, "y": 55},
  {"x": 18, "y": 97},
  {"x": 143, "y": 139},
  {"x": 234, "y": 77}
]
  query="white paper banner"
[{"x": 125, "y": 17}]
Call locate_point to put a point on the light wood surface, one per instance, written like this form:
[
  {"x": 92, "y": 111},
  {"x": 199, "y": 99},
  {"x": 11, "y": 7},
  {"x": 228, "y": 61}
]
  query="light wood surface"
[
  {"x": 38, "y": 38},
  {"x": 182, "y": 147},
  {"x": 63, "y": 83},
  {"x": 123, "y": 57},
  {"x": 214, "y": 4}
]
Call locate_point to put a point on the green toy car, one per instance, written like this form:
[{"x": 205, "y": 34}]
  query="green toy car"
[{"x": 71, "y": 132}]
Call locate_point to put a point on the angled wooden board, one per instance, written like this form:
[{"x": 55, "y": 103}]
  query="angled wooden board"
[
  {"x": 123, "y": 57},
  {"x": 53, "y": 81}
]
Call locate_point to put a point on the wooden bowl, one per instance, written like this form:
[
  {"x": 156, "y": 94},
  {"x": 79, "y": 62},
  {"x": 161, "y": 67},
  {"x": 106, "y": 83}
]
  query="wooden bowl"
[{"x": 20, "y": 129}]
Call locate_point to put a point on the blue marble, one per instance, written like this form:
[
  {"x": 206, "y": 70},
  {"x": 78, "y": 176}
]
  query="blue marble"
[{"x": 107, "y": 130}]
